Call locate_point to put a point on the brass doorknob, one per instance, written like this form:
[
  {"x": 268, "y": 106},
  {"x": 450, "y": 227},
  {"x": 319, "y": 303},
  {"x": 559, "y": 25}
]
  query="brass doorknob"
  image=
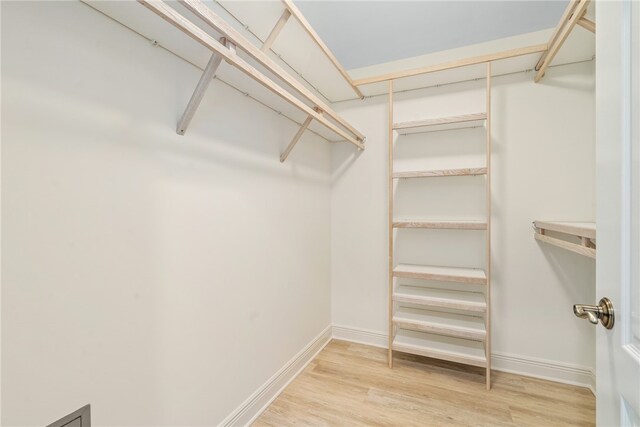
[{"x": 603, "y": 312}]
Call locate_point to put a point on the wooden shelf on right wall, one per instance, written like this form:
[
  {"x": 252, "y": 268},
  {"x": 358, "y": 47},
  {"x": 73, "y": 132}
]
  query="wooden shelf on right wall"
[{"x": 584, "y": 231}]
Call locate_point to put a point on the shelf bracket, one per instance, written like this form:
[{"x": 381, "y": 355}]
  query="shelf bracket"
[
  {"x": 276, "y": 30},
  {"x": 297, "y": 137},
  {"x": 570, "y": 19},
  {"x": 587, "y": 24},
  {"x": 198, "y": 93}
]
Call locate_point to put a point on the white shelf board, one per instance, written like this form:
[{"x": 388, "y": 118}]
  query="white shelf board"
[
  {"x": 474, "y": 276},
  {"x": 440, "y": 323},
  {"x": 441, "y": 124},
  {"x": 439, "y": 224},
  {"x": 440, "y": 173},
  {"x": 442, "y": 298},
  {"x": 440, "y": 347},
  {"x": 580, "y": 229}
]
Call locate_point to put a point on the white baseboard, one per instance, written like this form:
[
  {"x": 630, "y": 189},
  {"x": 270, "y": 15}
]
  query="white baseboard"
[
  {"x": 528, "y": 366},
  {"x": 251, "y": 408}
]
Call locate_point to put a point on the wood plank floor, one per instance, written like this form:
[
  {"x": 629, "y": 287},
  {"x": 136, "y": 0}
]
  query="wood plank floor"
[{"x": 350, "y": 385}]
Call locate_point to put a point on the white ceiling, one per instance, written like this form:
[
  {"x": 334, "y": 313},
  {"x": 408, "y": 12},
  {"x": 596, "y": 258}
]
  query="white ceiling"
[{"x": 365, "y": 33}]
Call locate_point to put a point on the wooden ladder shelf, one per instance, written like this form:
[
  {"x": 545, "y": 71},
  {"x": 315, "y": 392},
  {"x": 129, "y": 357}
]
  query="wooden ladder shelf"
[{"x": 450, "y": 321}]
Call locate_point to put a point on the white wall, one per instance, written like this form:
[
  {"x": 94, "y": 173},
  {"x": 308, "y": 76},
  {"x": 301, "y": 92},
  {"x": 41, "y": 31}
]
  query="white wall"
[
  {"x": 161, "y": 278},
  {"x": 544, "y": 168}
]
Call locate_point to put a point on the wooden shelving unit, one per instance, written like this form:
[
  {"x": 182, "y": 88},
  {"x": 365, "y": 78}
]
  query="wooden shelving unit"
[
  {"x": 441, "y": 321},
  {"x": 585, "y": 232}
]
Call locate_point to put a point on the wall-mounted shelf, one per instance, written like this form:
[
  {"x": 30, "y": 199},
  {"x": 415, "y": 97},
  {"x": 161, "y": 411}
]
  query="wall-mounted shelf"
[
  {"x": 440, "y": 298},
  {"x": 441, "y": 323},
  {"x": 474, "y": 276},
  {"x": 226, "y": 45},
  {"x": 440, "y": 225},
  {"x": 440, "y": 173},
  {"x": 440, "y": 124},
  {"x": 585, "y": 232},
  {"x": 442, "y": 347}
]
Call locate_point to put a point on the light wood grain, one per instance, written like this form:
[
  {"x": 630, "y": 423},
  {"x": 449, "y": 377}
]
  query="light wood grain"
[
  {"x": 316, "y": 38},
  {"x": 442, "y": 225},
  {"x": 350, "y": 384},
  {"x": 580, "y": 229},
  {"x": 445, "y": 274},
  {"x": 565, "y": 28},
  {"x": 195, "y": 32},
  {"x": 440, "y": 173},
  {"x": 573, "y": 247},
  {"x": 207, "y": 15},
  {"x": 528, "y": 50},
  {"x": 275, "y": 32}
]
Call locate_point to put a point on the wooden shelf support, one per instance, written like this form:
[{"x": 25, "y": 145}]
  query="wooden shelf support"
[
  {"x": 203, "y": 83},
  {"x": 584, "y": 231},
  {"x": 587, "y": 24},
  {"x": 276, "y": 31},
  {"x": 573, "y": 13},
  {"x": 295, "y": 139}
]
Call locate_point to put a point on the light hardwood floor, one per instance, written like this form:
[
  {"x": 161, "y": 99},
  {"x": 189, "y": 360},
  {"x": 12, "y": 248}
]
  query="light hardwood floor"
[{"x": 350, "y": 385}]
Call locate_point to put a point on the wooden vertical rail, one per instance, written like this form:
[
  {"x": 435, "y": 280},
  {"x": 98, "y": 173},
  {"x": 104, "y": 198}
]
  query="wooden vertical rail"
[
  {"x": 488, "y": 233},
  {"x": 390, "y": 201}
]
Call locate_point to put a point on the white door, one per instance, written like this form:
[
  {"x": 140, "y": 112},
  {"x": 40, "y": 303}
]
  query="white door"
[{"x": 618, "y": 213}]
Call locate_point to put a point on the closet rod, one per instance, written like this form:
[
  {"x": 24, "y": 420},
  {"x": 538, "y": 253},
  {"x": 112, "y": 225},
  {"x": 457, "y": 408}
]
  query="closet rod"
[{"x": 192, "y": 30}]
